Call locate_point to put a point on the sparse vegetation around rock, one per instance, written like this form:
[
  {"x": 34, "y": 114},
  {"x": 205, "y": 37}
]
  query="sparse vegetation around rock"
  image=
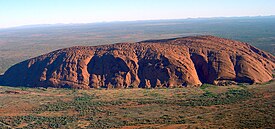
[{"x": 209, "y": 106}]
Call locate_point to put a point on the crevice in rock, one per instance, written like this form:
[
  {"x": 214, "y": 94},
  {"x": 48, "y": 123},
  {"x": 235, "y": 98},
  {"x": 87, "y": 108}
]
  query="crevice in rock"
[
  {"x": 238, "y": 67},
  {"x": 153, "y": 70},
  {"x": 107, "y": 70},
  {"x": 204, "y": 69}
]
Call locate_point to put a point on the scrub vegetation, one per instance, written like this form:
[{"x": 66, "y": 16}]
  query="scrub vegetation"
[{"x": 205, "y": 107}]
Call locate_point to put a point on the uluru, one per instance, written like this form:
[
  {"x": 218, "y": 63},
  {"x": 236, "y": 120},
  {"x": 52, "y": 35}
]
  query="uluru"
[{"x": 178, "y": 62}]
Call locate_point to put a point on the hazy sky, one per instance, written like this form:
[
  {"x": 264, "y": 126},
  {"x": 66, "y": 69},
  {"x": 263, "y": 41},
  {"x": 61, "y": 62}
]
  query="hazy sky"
[{"x": 26, "y": 12}]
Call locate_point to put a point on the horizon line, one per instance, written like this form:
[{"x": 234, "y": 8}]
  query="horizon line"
[{"x": 98, "y": 22}]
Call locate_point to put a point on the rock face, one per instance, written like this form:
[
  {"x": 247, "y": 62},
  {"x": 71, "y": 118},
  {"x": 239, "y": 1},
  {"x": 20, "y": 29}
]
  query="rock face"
[{"x": 179, "y": 62}]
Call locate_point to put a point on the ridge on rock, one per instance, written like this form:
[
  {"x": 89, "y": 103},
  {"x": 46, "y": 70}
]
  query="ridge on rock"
[{"x": 178, "y": 62}]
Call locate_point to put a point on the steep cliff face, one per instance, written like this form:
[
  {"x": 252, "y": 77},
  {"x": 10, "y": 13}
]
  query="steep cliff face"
[{"x": 179, "y": 62}]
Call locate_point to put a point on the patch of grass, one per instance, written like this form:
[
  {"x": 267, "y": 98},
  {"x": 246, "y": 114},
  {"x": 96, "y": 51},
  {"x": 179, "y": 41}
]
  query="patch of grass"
[
  {"x": 269, "y": 82},
  {"x": 153, "y": 101},
  {"x": 209, "y": 94},
  {"x": 243, "y": 85},
  {"x": 84, "y": 105},
  {"x": 205, "y": 85},
  {"x": 37, "y": 121},
  {"x": 208, "y": 98}
]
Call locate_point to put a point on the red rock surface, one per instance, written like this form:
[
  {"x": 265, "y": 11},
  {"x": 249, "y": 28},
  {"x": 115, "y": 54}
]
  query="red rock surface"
[{"x": 179, "y": 62}]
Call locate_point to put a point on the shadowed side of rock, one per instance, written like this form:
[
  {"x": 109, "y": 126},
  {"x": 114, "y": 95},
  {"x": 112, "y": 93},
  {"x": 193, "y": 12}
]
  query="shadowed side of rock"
[{"x": 1, "y": 79}]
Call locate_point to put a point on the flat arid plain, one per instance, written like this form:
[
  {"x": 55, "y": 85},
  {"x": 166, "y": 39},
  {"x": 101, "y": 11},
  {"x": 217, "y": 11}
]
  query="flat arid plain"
[{"x": 236, "y": 106}]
